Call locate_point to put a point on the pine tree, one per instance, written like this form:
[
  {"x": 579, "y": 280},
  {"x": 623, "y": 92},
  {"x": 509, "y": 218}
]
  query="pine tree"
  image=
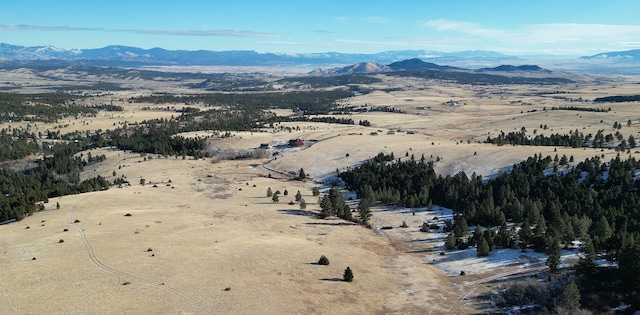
[
  {"x": 302, "y": 175},
  {"x": 269, "y": 192},
  {"x": 326, "y": 207},
  {"x": 450, "y": 242},
  {"x": 337, "y": 201},
  {"x": 553, "y": 260},
  {"x": 275, "y": 198},
  {"x": 303, "y": 204},
  {"x": 569, "y": 298},
  {"x": 315, "y": 191},
  {"x": 298, "y": 196},
  {"x": 602, "y": 230},
  {"x": 525, "y": 235},
  {"x": 364, "y": 211},
  {"x": 348, "y": 275},
  {"x": 587, "y": 258},
  {"x": 346, "y": 213},
  {"x": 483, "y": 247},
  {"x": 629, "y": 269}
]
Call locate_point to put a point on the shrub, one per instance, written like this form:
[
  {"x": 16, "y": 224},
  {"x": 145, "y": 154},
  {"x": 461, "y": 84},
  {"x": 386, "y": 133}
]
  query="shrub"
[
  {"x": 324, "y": 261},
  {"x": 348, "y": 275},
  {"x": 524, "y": 293}
]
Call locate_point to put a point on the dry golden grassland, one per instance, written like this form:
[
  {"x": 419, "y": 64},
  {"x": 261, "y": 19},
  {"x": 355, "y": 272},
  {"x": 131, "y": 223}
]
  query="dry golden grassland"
[{"x": 203, "y": 238}]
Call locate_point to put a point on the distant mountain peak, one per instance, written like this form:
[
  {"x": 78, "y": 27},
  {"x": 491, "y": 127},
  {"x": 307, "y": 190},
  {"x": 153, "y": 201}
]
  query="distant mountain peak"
[
  {"x": 510, "y": 68},
  {"x": 416, "y": 64},
  {"x": 361, "y": 67},
  {"x": 626, "y": 55}
]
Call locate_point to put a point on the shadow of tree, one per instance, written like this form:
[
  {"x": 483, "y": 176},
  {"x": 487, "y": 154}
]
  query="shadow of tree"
[
  {"x": 332, "y": 279},
  {"x": 343, "y": 223},
  {"x": 299, "y": 212}
]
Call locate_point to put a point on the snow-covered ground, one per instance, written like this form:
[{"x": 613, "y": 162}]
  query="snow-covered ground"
[{"x": 431, "y": 244}]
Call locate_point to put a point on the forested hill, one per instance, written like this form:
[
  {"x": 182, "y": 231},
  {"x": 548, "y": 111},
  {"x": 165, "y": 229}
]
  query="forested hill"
[{"x": 588, "y": 202}]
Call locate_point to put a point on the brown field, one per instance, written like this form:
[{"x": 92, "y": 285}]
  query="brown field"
[{"x": 203, "y": 238}]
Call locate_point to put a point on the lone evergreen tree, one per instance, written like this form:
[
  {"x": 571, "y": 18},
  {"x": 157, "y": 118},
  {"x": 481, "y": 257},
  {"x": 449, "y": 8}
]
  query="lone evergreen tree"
[
  {"x": 303, "y": 204},
  {"x": 348, "y": 275},
  {"x": 301, "y": 174},
  {"x": 275, "y": 198},
  {"x": 315, "y": 191},
  {"x": 269, "y": 192},
  {"x": 323, "y": 260},
  {"x": 298, "y": 196}
]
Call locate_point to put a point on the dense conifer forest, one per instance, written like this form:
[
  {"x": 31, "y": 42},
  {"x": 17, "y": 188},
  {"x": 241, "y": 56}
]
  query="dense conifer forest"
[{"x": 530, "y": 207}]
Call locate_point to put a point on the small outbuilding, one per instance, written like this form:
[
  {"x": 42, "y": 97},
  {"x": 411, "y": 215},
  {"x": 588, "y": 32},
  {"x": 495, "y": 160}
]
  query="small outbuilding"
[{"x": 296, "y": 142}]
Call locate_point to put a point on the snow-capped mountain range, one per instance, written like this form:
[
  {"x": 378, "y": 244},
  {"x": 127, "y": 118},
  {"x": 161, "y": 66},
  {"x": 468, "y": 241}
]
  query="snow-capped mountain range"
[{"x": 125, "y": 56}]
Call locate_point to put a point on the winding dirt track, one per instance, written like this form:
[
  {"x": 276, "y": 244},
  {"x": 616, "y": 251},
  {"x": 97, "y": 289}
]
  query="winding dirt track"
[{"x": 122, "y": 276}]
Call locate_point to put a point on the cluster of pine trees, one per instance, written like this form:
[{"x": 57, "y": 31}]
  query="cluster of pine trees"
[
  {"x": 588, "y": 202},
  {"x": 17, "y": 143},
  {"x": 617, "y": 99},
  {"x": 582, "y": 109},
  {"x": 308, "y": 102},
  {"x": 333, "y": 204},
  {"x": 44, "y": 107},
  {"x": 55, "y": 175},
  {"x": 574, "y": 139}
]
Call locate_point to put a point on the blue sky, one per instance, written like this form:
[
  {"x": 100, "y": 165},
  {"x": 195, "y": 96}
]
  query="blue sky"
[{"x": 515, "y": 27}]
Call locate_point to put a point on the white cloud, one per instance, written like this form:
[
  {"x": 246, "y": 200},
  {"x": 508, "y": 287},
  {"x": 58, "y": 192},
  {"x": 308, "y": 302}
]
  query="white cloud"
[
  {"x": 579, "y": 38},
  {"x": 204, "y": 33}
]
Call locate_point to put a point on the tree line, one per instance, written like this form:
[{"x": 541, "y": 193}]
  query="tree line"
[
  {"x": 307, "y": 102},
  {"x": 55, "y": 175},
  {"x": 44, "y": 107},
  {"x": 574, "y": 139},
  {"x": 617, "y": 99}
]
